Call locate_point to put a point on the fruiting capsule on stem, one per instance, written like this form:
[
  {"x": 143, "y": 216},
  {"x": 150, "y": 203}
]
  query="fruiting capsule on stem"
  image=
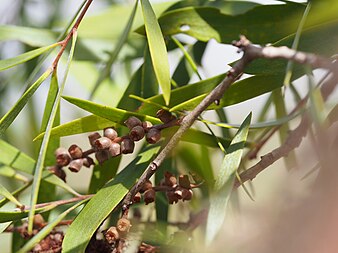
[
  {"x": 146, "y": 186},
  {"x": 171, "y": 196},
  {"x": 58, "y": 171},
  {"x": 146, "y": 125},
  {"x": 184, "y": 181},
  {"x": 153, "y": 135},
  {"x": 123, "y": 225},
  {"x": 165, "y": 116},
  {"x": 133, "y": 122},
  {"x": 62, "y": 157},
  {"x": 102, "y": 156},
  {"x": 88, "y": 161},
  {"x": 169, "y": 179},
  {"x": 149, "y": 196},
  {"x": 186, "y": 194},
  {"x": 115, "y": 149},
  {"x": 93, "y": 137},
  {"x": 112, "y": 235},
  {"x": 102, "y": 143},
  {"x": 136, "y": 133},
  {"x": 75, "y": 151},
  {"x": 137, "y": 198},
  {"x": 75, "y": 165},
  {"x": 127, "y": 146},
  {"x": 110, "y": 133}
]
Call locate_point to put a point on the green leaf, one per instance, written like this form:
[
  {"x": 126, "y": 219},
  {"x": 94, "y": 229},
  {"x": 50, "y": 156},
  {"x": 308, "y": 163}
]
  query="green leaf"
[
  {"x": 113, "y": 114},
  {"x": 91, "y": 217},
  {"x": 4, "y": 192},
  {"x": 7, "y": 171},
  {"x": 3, "y": 226},
  {"x": 44, "y": 145},
  {"x": 47, "y": 229},
  {"x": 11, "y": 62},
  {"x": 157, "y": 49},
  {"x": 6, "y": 216},
  {"x": 9, "y": 117},
  {"x": 35, "y": 37},
  {"x": 225, "y": 181}
]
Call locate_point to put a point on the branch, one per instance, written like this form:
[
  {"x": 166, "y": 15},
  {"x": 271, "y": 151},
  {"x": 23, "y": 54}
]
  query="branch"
[{"x": 251, "y": 52}]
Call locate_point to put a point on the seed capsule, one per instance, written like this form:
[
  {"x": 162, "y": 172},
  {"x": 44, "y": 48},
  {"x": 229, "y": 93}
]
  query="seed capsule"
[
  {"x": 184, "y": 181},
  {"x": 110, "y": 133},
  {"x": 58, "y": 171},
  {"x": 102, "y": 156},
  {"x": 153, "y": 135},
  {"x": 132, "y": 122},
  {"x": 75, "y": 151},
  {"x": 112, "y": 235},
  {"x": 38, "y": 221},
  {"x": 171, "y": 196},
  {"x": 178, "y": 192},
  {"x": 102, "y": 143},
  {"x": 88, "y": 161},
  {"x": 146, "y": 186},
  {"x": 115, "y": 149},
  {"x": 164, "y": 116},
  {"x": 137, "y": 198},
  {"x": 136, "y": 133},
  {"x": 75, "y": 165},
  {"x": 127, "y": 146},
  {"x": 186, "y": 194},
  {"x": 123, "y": 225},
  {"x": 149, "y": 196},
  {"x": 62, "y": 157},
  {"x": 93, "y": 137},
  {"x": 146, "y": 125},
  {"x": 169, "y": 179}
]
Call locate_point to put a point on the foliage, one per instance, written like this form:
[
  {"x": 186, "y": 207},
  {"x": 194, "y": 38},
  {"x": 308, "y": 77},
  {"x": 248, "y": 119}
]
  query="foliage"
[{"x": 168, "y": 42}]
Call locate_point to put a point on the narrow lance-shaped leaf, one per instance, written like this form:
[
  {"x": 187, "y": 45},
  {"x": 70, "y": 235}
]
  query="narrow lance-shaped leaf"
[
  {"x": 42, "y": 153},
  {"x": 4, "y": 192},
  {"x": 6, "y": 216},
  {"x": 225, "y": 181},
  {"x": 157, "y": 49},
  {"x": 47, "y": 229},
  {"x": 11, "y": 62},
  {"x": 9, "y": 117},
  {"x": 103, "y": 203}
]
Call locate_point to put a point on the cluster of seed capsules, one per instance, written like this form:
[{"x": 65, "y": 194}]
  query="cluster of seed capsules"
[
  {"x": 109, "y": 145},
  {"x": 175, "y": 189}
]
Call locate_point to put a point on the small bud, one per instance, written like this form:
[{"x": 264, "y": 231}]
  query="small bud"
[
  {"x": 170, "y": 179},
  {"x": 165, "y": 116},
  {"x": 88, "y": 161},
  {"x": 132, "y": 122},
  {"x": 127, "y": 146},
  {"x": 149, "y": 196},
  {"x": 62, "y": 157},
  {"x": 184, "y": 181},
  {"x": 75, "y": 165},
  {"x": 38, "y": 221},
  {"x": 110, "y": 133},
  {"x": 102, "y": 156},
  {"x": 137, "y": 198},
  {"x": 58, "y": 171},
  {"x": 102, "y": 143},
  {"x": 186, "y": 194},
  {"x": 171, "y": 196},
  {"x": 146, "y": 186},
  {"x": 146, "y": 125},
  {"x": 75, "y": 151},
  {"x": 136, "y": 133},
  {"x": 123, "y": 225},
  {"x": 153, "y": 135},
  {"x": 93, "y": 137},
  {"x": 111, "y": 235},
  {"x": 115, "y": 149}
]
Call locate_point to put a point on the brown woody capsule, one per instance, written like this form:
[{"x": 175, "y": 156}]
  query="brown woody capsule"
[
  {"x": 136, "y": 133},
  {"x": 133, "y": 122},
  {"x": 127, "y": 146},
  {"x": 93, "y": 137},
  {"x": 164, "y": 116},
  {"x": 186, "y": 194},
  {"x": 102, "y": 143},
  {"x": 184, "y": 181},
  {"x": 137, "y": 198},
  {"x": 149, "y": 196},
  {"x": 146, "y": 125},
  {"x": 75, "y": 151},
  {"x": 178, "y": 192},
  {"x": 62, "y": 157},
  {"x": 146, "y": 186},
  {"x": 88, "y": 161},
  {"x": 123, "y": 225},
  {"x": 115, "y": 149},
  {"x": 112, "y": 235},
  {"x": 58, "y": 171},
  {"x": 102, "y": 156},
  {"x": 38, "y": 221},
  {"x": 169, "y": 179},
  {"x": 171, "y": 196},
  {"x": 110, "y": 133},
  {"x": 153, "y": 135},
  {"x": 75, "y": 165}
]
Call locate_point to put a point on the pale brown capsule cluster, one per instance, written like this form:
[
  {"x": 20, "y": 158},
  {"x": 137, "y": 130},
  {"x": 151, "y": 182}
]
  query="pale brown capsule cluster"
[{"x": 120, "y": 231}]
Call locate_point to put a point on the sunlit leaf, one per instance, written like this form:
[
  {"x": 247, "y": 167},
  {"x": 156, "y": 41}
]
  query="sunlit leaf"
[
  {"x": 6, "y": 216},
  {"x": 225, "y": 181},
  {"x": 4, "y": 192}
]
